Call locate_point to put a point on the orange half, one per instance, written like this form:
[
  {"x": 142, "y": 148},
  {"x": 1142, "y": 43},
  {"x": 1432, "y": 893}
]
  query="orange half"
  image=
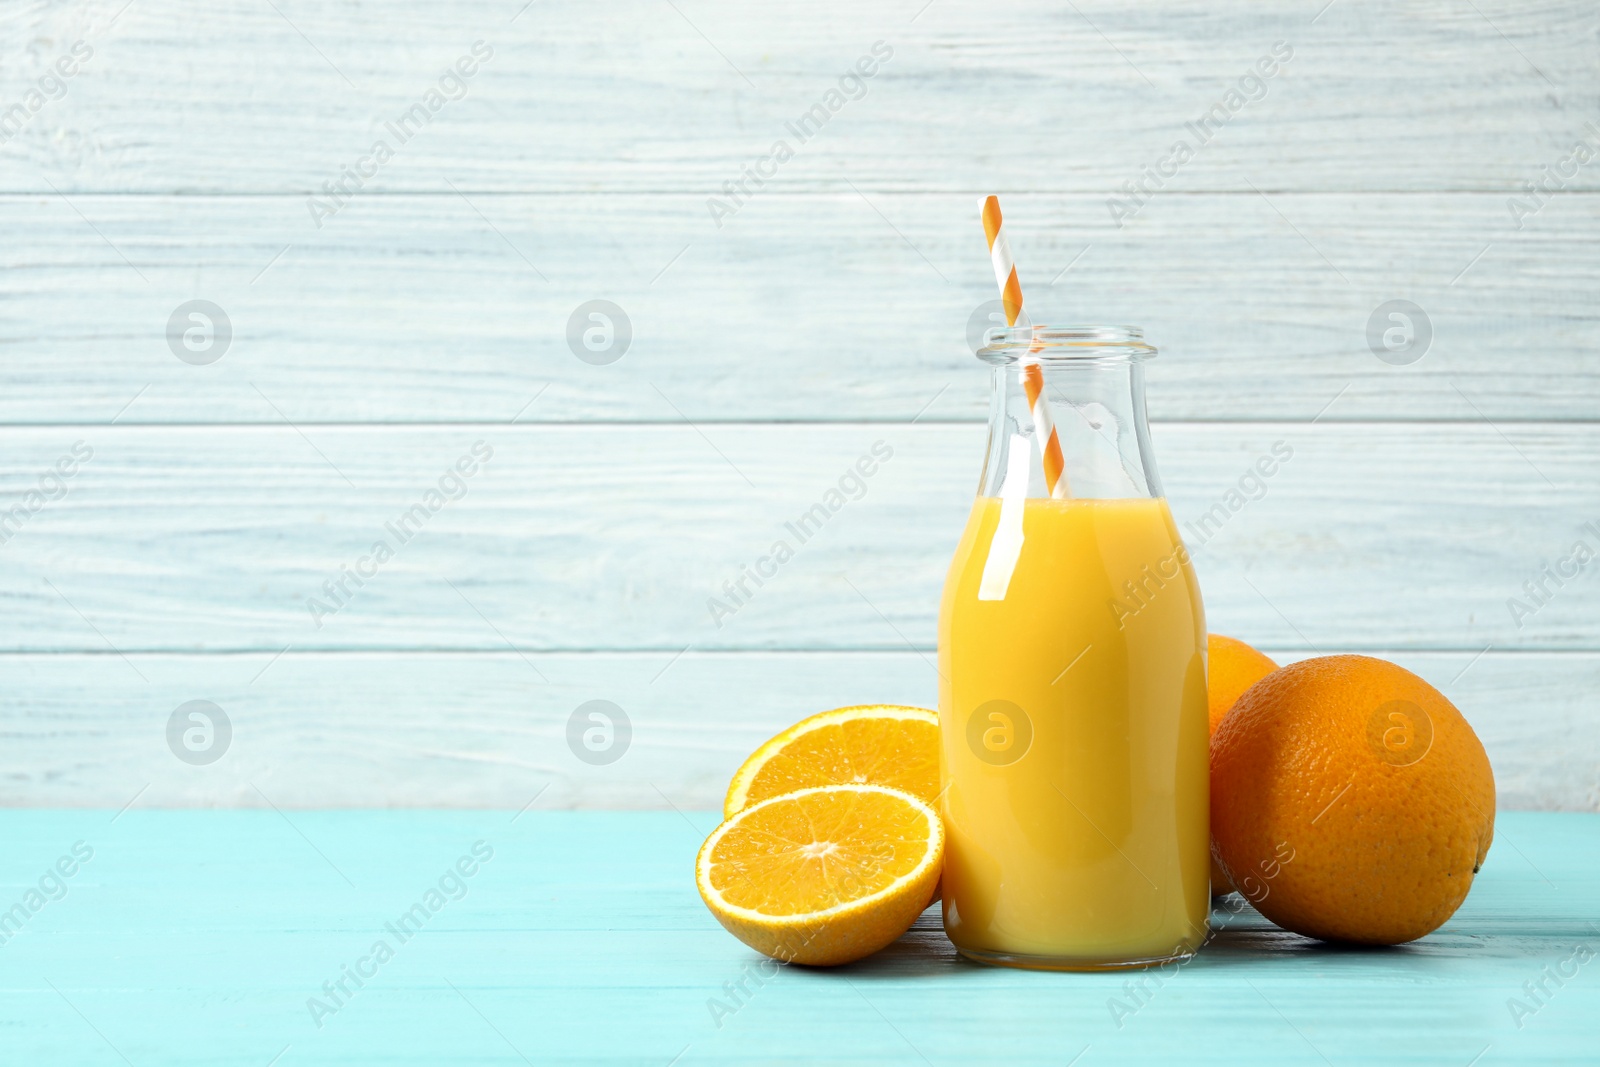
[
  {"x": 869, "y": 744},
  {"x": 825, "y": 875}
]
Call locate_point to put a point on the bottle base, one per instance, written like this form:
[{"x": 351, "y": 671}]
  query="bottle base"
[{"x": 1069, "y": 963}]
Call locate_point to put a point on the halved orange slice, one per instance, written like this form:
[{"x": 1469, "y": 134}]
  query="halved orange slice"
[
  {"x": 870, "y": 744},
  {"x": 823, "y": 876}
]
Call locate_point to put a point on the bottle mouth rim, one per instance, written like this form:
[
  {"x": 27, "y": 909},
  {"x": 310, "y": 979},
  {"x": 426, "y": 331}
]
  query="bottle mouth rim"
[{"x": 1064, "y": 344}]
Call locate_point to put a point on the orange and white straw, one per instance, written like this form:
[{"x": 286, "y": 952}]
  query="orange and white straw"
[{"x": 1005, "y": 273}]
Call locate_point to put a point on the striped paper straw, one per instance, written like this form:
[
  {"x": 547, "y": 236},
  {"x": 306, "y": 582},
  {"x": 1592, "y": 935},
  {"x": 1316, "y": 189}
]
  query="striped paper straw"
[{"x": 1005, "y": 273}]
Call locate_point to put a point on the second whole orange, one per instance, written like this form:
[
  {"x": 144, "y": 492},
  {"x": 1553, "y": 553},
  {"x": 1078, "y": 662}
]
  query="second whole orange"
[{"x": 1231, "y": 667}]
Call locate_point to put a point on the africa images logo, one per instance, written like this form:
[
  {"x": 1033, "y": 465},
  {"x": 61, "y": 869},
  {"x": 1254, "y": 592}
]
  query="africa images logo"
[
  {"x": 1250, "y": 88},
  {"x": 452, "y": 85},
  {"x": 852, "y": 85}
]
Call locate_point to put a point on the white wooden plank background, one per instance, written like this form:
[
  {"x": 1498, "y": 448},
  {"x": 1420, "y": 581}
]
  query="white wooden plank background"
[
  {"x": 806, "y": 307},
  {"x": 828, "y": 313},
  {"x": 481, "y": 729},
  {"x": 1025, "y": 95},
  {"x": 601, "y": 537}
]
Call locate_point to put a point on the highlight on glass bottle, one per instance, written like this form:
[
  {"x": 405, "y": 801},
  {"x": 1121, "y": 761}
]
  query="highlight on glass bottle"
[
  {"x": 1094, "y": 393},
  {"x": 1072, "y": 700}
]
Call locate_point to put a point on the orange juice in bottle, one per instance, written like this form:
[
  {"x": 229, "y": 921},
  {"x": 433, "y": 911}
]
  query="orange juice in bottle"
[{"x": 1072, "y": 702}]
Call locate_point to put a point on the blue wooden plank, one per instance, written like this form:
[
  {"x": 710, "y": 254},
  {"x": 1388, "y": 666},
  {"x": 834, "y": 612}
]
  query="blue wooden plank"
[{"x": 199, "y": 937}]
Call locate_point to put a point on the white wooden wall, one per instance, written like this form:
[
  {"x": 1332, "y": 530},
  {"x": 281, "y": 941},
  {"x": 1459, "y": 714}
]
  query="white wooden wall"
[{"x": 827, "y": 314}]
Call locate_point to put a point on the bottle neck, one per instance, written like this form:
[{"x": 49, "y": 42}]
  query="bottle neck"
[{"x": 1097, "y": 410}]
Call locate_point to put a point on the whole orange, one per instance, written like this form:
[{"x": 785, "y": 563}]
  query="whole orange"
[
  {"x": 1351, "y": 801},
  {"x": 1231, "y": 667}
]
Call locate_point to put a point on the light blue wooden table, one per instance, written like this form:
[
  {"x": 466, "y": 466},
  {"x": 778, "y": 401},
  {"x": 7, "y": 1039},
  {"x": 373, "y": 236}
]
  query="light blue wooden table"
[{"x": 198, "y": 938}]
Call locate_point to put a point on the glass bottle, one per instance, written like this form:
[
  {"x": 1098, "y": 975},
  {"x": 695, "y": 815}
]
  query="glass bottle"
[{"x": 1072, "y": 694}]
